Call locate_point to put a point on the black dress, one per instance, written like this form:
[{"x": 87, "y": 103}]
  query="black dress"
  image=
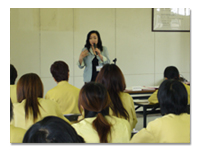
[{"x": 94, "y": 71}]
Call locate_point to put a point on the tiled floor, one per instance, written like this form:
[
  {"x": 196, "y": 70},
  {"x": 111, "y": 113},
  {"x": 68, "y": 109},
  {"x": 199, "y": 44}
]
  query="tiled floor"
[{"x": 150, "y": 117}]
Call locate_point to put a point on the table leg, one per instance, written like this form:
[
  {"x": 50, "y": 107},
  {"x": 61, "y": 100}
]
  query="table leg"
[{"x": 144, "y": 116}]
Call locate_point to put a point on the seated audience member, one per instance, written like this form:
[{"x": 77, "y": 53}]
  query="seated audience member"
[
  {"x": 65, "y": 94},
  {"x": 16, "y": 134},
  {"x": 13, "y": 89},
  {"x": 32, "y": 107},
  {"x": 98, "y": 126},
  {"x": 122, "y": 103},
  {"x": 174, "y": 126},
  {"x": 52, "y": 130},
  {"x": 170, "y": 72},
  {"x": 184, "y": 80}
]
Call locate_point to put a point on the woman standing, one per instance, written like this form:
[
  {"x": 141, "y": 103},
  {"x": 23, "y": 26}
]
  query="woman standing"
[{"x": 93, "y": 56}]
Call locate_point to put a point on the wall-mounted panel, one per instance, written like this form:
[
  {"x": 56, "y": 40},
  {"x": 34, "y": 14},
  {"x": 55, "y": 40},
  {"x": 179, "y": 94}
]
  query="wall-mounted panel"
[
  {"x": 24, "y": 40},
  {"x": 56, "y": 38},
  {"x": 172, "y": 48},
  {"x": 78, "y": 82},
  {"x": 139, "y": 80},
  {"x": 134, "y": 41},
  {"x": 48, "y": 84},
  {"x": 159, "y": 77}
]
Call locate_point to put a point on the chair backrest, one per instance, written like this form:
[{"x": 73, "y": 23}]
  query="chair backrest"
[{"x": 72, "y": 117}]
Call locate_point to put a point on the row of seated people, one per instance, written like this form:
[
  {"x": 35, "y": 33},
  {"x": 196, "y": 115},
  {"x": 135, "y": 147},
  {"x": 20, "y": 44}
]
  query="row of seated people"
[
  {"x": 108, "y": 114},
  {"x": 170, "y": 72}
]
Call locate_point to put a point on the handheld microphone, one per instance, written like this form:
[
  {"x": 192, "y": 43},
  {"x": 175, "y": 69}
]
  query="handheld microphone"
[{"x": 95, "y": 46}]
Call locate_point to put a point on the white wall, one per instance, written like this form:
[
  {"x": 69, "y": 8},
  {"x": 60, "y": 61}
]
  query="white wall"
[{"x": 38, "y": 37}]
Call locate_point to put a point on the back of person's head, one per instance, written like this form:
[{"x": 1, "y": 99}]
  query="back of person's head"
[
  {"x": 95, "y": 100},
  {"x": 113, "y": 79},
  {"x": 52, "y": 130},
  {"x": 30, "y": 87},
  {"x": 172, "y": 97},
  {"x": 11, "y": 110},
  {"x": 13, "y": 74},
  {"x": 171, "y": 72},
  {"x": 60, "y": 71},
  {"x": 99, "y": 44}
]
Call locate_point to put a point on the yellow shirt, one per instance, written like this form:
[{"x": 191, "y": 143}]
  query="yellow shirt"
[
  {"x": 154, "y": 99},
  {"x": 120, "y": 130},
  {"x": 13, "y": 93},
  {"x": 16, "y": 134},
  {"x": 167, "y": 129},
  {"x": 127, "y": 102},
  {"x": 66, "y": 95},
  {"x": 49, "y": 108}
]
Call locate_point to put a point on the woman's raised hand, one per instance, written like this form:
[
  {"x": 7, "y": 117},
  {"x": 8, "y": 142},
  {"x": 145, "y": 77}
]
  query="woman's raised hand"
[{"x": 83, "y": 54}]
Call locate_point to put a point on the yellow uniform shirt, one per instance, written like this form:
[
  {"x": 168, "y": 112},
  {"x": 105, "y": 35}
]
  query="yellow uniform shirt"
[
  {"x": 167, "y": 129},
  {"x": 16, "y": 134},
  {"x": 66, "y": 95},
  {"x": 48, "y": 108},
  {"x": 120, "y": 130},
  {"x": 13, "y": 93},
  {"x": 154, "y": 99},
  {"x": 127, "y": 102}
]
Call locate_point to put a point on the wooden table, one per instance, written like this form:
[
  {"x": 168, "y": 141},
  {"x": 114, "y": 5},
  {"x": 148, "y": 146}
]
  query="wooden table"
[{"x": 143, "y": 94}]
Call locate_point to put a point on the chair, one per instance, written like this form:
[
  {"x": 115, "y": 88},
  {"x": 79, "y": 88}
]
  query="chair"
[{"x": 72, "y": 117}]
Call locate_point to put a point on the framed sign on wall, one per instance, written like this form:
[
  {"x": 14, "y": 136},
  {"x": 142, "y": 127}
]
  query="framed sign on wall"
[{"x": 170, "y": 19}]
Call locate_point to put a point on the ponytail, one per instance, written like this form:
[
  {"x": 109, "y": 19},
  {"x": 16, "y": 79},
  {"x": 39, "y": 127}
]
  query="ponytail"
[
  {"x": 102, "y": 127},
  {"x": 95, "y": 100}
]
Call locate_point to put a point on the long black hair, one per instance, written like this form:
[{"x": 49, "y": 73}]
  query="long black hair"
[
  {"x": 99, "y": 44},
  {"x": 13, "y": 74},
  {"x": 11, "y": 110},
  {"x": 171, "y": 72},
  {"x": 113, "y": 79},
  {"x": 172, "y": 97}
]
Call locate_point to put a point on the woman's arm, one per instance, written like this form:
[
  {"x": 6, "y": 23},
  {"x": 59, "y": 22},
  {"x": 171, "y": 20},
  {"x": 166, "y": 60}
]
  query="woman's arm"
[
  {"x": 83, "y": 54},
  {"x": 143, "y": 136},
  {"x": 104, "y": 57},
  {"x": 153, "y": 98}
]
